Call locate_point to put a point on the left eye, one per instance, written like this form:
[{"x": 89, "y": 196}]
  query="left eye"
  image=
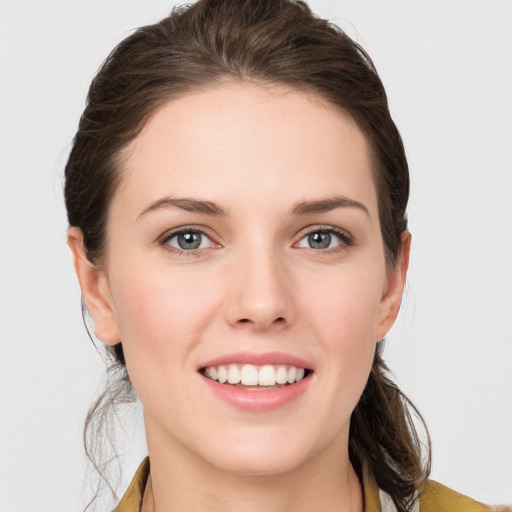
[
  {"x": 189, "y": 241},
  {"x": 322, "y": 239}
]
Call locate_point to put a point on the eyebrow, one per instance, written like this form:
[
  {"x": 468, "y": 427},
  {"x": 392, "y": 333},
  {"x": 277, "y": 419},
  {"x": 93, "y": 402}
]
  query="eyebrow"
[
  {"x": 187, "y": 204},
  {"x": 327, "y": 205},
  {"x": 211, "y": 208}
]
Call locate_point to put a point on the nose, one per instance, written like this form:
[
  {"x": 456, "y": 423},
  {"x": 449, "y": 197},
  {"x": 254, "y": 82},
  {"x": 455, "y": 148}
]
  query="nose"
[{"x": 260, "y": 292}]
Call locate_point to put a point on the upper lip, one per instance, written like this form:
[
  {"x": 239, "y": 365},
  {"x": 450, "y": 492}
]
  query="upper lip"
[{"x": 258, "y": 359}]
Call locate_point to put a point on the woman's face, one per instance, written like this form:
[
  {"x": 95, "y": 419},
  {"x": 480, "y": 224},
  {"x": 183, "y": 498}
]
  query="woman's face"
[{"x": 245, "y": 238}]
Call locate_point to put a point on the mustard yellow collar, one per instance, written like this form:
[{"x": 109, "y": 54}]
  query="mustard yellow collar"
[{"x": 434, "y": 497}]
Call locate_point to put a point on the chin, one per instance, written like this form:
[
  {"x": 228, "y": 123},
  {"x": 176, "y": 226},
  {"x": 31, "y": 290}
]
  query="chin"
[
  {"x": 259, "y": 464},
  {"x": 263, "y": 455}
]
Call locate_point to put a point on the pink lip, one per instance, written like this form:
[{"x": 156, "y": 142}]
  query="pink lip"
[
  {"x": 258, "y": 359},
  {"x": 257, "y": 400}
]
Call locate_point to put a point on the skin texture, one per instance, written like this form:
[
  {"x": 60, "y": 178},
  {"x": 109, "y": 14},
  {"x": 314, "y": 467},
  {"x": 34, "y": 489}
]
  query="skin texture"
[{"x": 255, "y": 285}]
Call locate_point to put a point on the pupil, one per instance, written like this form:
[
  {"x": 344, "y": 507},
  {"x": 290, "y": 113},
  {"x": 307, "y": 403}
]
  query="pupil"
[
  {"x": 320, "y": 240},
  {"x": 189, "y": 240}
]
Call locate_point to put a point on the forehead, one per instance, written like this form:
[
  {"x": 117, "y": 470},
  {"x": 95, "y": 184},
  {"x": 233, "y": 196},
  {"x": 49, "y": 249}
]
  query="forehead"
[{"x": 248, "y": 142}]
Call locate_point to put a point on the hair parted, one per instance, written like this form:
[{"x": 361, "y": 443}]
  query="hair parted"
[{"x": 265, "y": 42}]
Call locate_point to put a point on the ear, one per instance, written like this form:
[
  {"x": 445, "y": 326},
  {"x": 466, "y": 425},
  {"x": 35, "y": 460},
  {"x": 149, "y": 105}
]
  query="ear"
[
  {"x": 392, "y": 293},
  {"x": 95, "y": 290}
]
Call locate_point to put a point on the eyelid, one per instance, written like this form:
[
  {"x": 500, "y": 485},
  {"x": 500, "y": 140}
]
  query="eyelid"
[
  {"x": 345, "y": 236},
  {"x": 194, "y": 228}
]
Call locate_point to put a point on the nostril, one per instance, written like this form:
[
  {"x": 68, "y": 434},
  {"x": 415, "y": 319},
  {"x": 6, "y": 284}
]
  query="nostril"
[{"x": 261, "y": 322}]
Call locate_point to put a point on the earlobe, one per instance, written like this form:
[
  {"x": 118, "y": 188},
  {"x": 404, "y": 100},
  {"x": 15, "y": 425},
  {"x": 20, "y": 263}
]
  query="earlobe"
[
  {"x": 392, "y": 294},
  {"x": 95, "y": 290}
]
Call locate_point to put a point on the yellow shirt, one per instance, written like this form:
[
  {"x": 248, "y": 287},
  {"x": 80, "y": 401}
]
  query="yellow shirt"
[{"x": 434, "y": 497}]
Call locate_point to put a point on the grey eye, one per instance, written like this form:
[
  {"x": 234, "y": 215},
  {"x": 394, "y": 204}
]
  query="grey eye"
[
  {"x": 319, "y": 240},
  {"x": 189, "y": 241},
  {"x": 324, "y": 239}
]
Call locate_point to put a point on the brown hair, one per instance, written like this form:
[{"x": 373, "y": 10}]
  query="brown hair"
[{"x": 265, "y": 42}]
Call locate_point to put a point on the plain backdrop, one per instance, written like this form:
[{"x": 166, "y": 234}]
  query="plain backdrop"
[{"x": 447, "y": 68}]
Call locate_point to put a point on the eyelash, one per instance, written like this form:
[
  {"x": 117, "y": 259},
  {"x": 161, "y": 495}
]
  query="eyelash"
[
  {"x": 164, "y": 240},
  {"x": 345, "y": 239}
]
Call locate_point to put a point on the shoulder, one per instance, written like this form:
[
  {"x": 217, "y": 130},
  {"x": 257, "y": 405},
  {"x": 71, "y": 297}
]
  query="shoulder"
[
  {"x": 435, "y": 497},
  {"x": 132, "y": 499}
]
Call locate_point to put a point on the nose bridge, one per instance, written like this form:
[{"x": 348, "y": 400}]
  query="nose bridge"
[{"x": 261, "y": 289}]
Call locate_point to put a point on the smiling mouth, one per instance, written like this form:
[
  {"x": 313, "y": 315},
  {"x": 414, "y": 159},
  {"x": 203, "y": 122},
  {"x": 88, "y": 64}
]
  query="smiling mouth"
[{"x": 252, "y": 377}]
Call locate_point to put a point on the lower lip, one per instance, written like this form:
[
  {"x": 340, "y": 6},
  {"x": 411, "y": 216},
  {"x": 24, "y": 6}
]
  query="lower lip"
[{"x": 258, "y": 400}]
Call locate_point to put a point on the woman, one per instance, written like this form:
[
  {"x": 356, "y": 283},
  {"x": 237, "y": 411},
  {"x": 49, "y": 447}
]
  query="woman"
[{"x": 237, "y": 195}]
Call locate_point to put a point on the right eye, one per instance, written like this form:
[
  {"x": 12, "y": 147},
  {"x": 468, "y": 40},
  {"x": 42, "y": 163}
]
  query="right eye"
[
  {"x": 326, "y": 239},
  {"x": 188, "y": 240}
]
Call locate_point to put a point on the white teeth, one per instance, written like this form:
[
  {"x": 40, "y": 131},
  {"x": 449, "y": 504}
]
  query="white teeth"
[
  {"x": 267, "y": 376},
  {"x": 292, "y": 373},
  {"x": 223, "y": 374},
  {"x": 233, "y": 374},
  {"x": 282, "y": 375},
  {"x": 250, "y": 375}
]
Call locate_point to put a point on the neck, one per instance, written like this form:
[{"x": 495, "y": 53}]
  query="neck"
[{"x": 180, "y": 480}]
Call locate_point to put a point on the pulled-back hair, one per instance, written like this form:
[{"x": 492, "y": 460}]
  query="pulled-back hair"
[{"x": 264, "y": 42}]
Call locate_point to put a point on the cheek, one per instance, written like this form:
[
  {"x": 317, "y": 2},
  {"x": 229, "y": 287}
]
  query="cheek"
[
  {"x": 161, "y": 317},
  {"x": 152, "y": 298},
  {"x": 346, "y": 303},
  {"x": 344, "y": 317},
  {"x": 159, "y": 327}
]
